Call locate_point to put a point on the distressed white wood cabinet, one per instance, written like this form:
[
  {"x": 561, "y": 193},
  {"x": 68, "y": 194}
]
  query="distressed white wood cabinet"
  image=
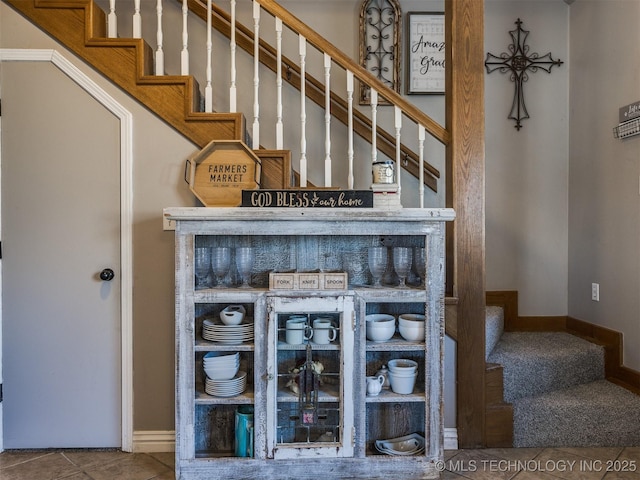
[{"x": 329, "y": 430}]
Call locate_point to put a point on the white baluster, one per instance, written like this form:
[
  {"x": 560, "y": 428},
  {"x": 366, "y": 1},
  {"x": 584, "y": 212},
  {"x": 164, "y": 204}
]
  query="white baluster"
[
  {"x": 184, "y": 54},
  {"x": 279, "y": 126},
  {"x": 374, "y": 126},
  {"x": 350, "y": 127},
  {"x": 112, "y": 20},
  {"x": 256, "y": 75},
  {"x": 303, "y": 111},
  {"x": 398, "y": 126},
  {"x": 137, "y": 20},
  {"x": 421, "y": 136},
  {"x": 232, "y": 87},
  {"x": 327, "y": 120},
  {"x": 208, "y": 90},
  {"x": 159, "y": 51}
]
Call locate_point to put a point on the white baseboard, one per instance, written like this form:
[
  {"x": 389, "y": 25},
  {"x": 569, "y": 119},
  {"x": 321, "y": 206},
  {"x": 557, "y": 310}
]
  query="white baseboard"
[
  {"x": 154, "y": 441},
  {"x": 451, "y": 439},
  {"x": 160, "y": 441}
]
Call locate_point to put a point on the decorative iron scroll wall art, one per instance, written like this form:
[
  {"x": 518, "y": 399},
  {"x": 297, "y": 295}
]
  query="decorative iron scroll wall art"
[
  {"x": 380, "y": 33},
  {"x": 518, "y": 63},
  {"x": 425, "y": 53}
]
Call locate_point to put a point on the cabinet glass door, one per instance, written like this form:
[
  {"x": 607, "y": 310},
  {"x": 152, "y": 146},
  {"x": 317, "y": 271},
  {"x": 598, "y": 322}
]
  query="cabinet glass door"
[{"x": 310, "y": 400}]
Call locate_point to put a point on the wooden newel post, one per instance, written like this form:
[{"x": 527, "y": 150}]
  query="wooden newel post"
[{"x": 465, "y": 193}]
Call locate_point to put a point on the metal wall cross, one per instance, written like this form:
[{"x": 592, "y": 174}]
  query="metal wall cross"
[{"x": 518, "y": 62}]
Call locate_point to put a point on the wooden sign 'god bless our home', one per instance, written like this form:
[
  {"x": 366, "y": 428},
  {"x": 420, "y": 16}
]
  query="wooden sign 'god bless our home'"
[{"x": 308, "y": 198}]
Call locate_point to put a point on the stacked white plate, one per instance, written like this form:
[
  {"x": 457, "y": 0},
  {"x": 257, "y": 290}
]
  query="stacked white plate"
[
  {"x": 412, "y": 444},
  {"x": 215, "y": 331},
  {"x": 226, "y": 388}
]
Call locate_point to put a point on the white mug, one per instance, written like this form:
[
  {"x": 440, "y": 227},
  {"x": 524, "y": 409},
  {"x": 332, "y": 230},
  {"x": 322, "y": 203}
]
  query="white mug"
[
  {"x": 323, "y": 331},
  {"x": 297, "y": 330}
]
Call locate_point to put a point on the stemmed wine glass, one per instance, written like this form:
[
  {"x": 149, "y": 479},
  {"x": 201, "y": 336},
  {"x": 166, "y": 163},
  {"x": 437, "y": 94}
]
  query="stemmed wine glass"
[
  {"x": 220, "y": 264},
  {"x": 402, "y": 264},
  {"x": 202, "y": 265},
  {"x": 244, "y": 263},
  {"x": 419, "y": 260},
  {"x": 377, "y": 264}
]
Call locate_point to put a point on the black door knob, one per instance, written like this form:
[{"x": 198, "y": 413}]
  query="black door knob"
[{"x": 107, "y": 275}]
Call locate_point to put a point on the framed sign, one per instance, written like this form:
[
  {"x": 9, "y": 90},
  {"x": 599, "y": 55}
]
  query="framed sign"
[{"x": 425, "y": 53}]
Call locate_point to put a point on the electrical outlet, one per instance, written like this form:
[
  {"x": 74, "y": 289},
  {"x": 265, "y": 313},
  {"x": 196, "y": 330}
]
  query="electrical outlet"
[{"x": 595, "y": 292}]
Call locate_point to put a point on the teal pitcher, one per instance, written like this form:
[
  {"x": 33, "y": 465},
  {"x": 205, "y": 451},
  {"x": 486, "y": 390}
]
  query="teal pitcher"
[{"x": 244, "y": 431}]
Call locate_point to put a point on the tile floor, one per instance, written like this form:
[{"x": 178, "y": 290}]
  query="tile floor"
[{"x": 491, "y": 464}]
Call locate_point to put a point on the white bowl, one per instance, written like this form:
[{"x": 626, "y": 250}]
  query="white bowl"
[
  {"x": 402, "y": 365},
  {"x": 412, "y": 326},
  {"x": 221, "y": 373},
  {"x": 411, "y": 334},
  {"x": 411, "y": 319},
  {"x": 380, "y": 318},
  {"x": 380, "y": 326},
  {"x": 232, "y": 315},
  {"x": 221, "y": 358},
  {"x": 215, "y": 357},
  {"x": 380, "y": 335},
  {"x": 226, "y": 364},
  {"x": 374, "y": 324},
  {"x": 402, "y": 384}
]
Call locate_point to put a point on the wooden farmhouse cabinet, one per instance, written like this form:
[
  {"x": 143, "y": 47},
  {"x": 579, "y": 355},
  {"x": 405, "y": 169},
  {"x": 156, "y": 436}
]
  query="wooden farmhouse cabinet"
[{"x": 311, "y": 415}]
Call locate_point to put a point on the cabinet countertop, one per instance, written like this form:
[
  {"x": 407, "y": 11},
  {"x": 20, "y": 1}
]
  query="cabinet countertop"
[{"x": 318, "y": 214}]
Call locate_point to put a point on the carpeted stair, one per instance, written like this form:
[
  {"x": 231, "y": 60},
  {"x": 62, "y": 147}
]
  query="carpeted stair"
[{"x": 557, "y": 386}]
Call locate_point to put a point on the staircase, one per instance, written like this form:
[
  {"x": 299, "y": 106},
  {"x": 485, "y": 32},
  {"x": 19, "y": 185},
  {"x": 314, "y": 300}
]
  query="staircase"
[
  {"x": 556, "y": 384},
  {"x": 129, "y": 62}
]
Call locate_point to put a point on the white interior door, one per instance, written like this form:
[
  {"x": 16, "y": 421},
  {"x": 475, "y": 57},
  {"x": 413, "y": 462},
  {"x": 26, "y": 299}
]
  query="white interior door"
[{"x": 61, "y": 228}]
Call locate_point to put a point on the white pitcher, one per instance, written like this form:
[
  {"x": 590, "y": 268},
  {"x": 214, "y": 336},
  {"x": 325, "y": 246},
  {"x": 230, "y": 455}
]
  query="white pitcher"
[{"x": 374, "y": 385}]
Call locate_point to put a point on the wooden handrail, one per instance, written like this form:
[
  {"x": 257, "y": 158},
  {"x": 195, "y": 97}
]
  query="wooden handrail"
[
  {"x": 221, "y": 21},
  {"x": 411, "y": 111}
]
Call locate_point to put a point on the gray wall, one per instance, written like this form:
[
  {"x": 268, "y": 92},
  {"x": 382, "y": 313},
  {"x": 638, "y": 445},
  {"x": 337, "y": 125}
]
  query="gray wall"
[
  {"x": 604, "y": 212},
  {"x": 527, "y": 170}
]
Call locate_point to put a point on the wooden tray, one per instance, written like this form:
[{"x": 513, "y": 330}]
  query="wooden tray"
[{"x": 219, "y": 172}]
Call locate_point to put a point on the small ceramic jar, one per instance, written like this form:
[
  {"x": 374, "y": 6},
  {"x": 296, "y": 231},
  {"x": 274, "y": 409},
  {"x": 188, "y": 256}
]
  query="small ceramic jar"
[{"x": 384, "y": 371}]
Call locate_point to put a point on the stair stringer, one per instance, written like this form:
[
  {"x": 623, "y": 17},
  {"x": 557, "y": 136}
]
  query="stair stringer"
[
  {"x": 498, "y": 413},
  {"x": 81, "y": 27},
  {"x": 498, "y": 431}
]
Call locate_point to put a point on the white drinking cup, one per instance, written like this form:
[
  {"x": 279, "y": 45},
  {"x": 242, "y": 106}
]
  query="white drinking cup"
[
  {"x": 323, "y": 331},
  {"x": 297, "y": 331}
]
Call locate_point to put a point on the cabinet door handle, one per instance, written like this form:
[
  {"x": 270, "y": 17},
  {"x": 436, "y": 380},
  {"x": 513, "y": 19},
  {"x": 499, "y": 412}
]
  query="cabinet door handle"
[
  {"x": 107, "y": 275},
  {"x": 267, "y": 376}
]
